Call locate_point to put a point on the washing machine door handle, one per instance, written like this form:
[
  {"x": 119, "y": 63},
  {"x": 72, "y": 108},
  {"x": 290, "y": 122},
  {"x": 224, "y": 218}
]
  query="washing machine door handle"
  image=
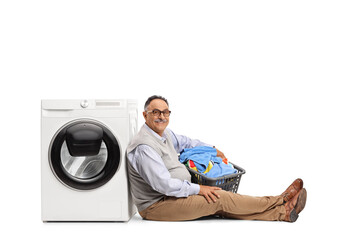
[{"x": 84, "y": 139}]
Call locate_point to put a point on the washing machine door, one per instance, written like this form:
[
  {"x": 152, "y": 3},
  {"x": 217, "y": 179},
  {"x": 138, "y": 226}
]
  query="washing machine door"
[{"x": 84, "y": 154}]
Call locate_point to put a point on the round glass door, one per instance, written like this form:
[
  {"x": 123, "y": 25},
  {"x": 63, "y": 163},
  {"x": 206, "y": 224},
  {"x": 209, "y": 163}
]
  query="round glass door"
[
  {"x": 84, "y": 154},
  {"x": 83, "y": 167}
]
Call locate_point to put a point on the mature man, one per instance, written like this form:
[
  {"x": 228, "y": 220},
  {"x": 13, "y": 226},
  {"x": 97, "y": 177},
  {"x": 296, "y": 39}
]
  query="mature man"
[{"x": 161, "y": 185}]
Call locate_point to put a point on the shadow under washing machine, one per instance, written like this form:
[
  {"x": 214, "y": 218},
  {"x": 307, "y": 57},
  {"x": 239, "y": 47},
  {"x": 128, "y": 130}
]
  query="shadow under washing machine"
[{"x": 83, "y": 163}]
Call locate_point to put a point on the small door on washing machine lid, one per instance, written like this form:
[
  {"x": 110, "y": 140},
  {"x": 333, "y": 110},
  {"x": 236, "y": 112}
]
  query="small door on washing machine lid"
[{"x": 84, "y": 155}]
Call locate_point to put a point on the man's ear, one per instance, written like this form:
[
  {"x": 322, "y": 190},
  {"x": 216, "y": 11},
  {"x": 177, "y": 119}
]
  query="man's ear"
[{"x": 144, "y": 114}]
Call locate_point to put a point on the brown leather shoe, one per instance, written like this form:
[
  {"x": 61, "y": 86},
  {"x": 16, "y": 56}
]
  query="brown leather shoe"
[
  {"x": 295, "y": 206},
  {"x": 292, "y": 190}
]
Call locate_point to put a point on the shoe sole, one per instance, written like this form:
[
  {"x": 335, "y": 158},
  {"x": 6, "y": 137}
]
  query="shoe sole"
[
  {"x": 301, "y": 201},
  {"x": 293, "y": 215}
]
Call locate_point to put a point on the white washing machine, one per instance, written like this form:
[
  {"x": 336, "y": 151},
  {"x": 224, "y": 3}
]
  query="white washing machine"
[{"x": 83, "y": 163}]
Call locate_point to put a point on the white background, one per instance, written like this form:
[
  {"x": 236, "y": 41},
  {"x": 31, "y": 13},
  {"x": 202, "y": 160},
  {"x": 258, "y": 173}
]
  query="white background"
[{"x": 273, "y": 84}]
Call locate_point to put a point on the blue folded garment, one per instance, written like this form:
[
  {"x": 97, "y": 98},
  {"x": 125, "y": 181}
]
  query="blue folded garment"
[{"x": 201, "y": 157}]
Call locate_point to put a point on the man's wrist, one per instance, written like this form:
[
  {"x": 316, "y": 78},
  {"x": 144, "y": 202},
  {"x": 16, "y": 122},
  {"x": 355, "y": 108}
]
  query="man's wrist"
[{"x": 194, "y": 189}]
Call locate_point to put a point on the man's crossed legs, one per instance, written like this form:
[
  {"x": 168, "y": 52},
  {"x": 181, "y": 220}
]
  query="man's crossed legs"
[{"x": 284, "y": 207}]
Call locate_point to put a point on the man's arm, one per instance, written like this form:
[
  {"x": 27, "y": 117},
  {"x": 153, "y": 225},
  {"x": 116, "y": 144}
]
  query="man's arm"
[
  {"x": 180, "y": 142},
  {"x": 148, "y": 163}
]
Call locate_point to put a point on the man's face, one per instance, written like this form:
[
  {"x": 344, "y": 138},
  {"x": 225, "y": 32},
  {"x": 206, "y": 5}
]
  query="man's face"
[{"x": 156, "y": 123}]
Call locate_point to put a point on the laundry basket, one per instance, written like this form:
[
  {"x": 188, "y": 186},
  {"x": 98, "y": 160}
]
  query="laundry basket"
[{"x": 228, "y": 182}]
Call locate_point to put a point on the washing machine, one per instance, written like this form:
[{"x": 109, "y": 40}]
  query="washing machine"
[{"x": 83, "y": 163}]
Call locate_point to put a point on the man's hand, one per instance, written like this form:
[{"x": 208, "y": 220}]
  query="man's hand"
[
  {"x": 209, "y": 193},
  {"x": 220, "y": 154}
]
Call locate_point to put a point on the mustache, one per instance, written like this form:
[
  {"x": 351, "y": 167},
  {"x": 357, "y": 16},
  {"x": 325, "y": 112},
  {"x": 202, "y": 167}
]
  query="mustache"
[{"x": 160, "y": 121}]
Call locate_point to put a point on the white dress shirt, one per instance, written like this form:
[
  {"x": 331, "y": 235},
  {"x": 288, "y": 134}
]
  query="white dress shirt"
[{"x": 148, "y": 163}]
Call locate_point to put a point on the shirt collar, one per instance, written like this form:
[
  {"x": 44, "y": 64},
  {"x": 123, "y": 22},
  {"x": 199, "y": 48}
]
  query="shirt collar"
[{"x": 162, "y": 139}]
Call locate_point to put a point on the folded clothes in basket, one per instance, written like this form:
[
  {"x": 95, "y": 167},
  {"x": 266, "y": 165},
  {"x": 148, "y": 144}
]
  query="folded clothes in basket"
[{"x": 202, "y": 156}]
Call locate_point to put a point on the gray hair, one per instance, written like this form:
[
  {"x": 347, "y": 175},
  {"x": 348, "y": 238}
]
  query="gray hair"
[{"x": 153, "y": 98}]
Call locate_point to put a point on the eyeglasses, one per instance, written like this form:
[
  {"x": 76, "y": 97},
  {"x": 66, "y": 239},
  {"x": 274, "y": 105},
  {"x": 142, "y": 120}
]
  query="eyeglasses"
[{"x": 157, "y": 112}]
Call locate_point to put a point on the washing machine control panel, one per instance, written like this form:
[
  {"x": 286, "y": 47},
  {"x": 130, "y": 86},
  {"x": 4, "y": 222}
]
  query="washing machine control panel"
[{"x": 84, "y": 103}]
